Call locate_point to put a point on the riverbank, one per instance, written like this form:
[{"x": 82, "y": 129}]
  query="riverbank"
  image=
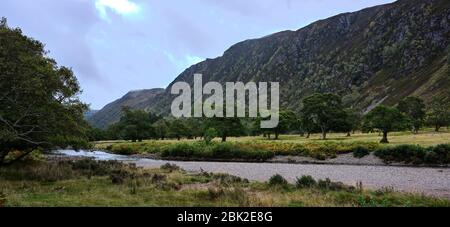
[
  {"x": 428, "y": 149},
  {"x": 429, "y": 181},
  {"x": 84, "y": 182}
]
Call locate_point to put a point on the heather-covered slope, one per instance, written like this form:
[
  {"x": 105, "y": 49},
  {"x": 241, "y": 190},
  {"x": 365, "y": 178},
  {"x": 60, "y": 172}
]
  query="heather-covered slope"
[{"x": 377, "y": 55}]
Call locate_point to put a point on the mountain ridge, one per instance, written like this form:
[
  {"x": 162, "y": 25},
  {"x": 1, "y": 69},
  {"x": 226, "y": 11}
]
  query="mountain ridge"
[{"x": 376, "y": 55}]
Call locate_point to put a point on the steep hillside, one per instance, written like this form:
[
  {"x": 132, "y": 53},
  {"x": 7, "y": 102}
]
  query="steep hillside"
[
  {"x": 111, "y": 113},
  {"x": 376, "y": 55}
]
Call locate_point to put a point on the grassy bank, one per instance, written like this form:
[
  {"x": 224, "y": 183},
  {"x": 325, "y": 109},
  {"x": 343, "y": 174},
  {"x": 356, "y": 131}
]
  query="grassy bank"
[
  {"x": 90, "y": 183},
  {"x": 425, "y": 148}
]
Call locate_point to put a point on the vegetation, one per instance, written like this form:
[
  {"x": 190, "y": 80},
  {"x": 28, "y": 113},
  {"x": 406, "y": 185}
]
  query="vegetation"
[
  {"x": 39, "y": 101},
  {"x": 414, "y": 109},
  {"x": 324, "y": 110},
  {"x": 72, "y": 183},
  {"x": 386, "y": 119},
  {"x": 439, "y": 113},
  {"x": 413, "y": 154}
]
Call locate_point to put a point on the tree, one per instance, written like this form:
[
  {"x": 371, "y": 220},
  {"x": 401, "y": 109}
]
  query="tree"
[
  {"x": 39, "y": 104},
  {"x": 210, "y": 134},
  {"x": 196, "y": 127},
  {"x": 288, "y": 121},
  {"x": 178, "y": 129},
  {"x": 386, "y": 119},
  {"x": 350, "y": 122},
  {"x": 137, "y": 125},
  {"x": 161, "y": 129},
  {"x": 324, "y": 110},
  {"x": 306, "y": 125},
  {"x": 438, "y": 113},
  {"x": 226, "y": 126},
  {"x": 96, "y": 134},
  {"x": 414, "y": 109}
]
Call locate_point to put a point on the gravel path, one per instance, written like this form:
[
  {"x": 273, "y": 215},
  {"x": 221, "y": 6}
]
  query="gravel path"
[{"x": 430, "y": 181}]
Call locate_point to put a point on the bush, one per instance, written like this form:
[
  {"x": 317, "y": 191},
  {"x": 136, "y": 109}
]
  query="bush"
[
  {"x": 62, "y": 170},
  {"x": 413, "y": 154},
  {"x": 184, "y": 150},
  {"x": 2, "y": 200},
  {"x": 306, "y": 182},
  {"x": 223, "y": 151},
  {"x": 227, "y": 179},
  {"x": 360, "y": 152},
  {"x": 170, "y": 167},
  {"x": 278, "y": 180},
  {"x": 122, "y": 149},
  {"x": 327, "y": 184}
]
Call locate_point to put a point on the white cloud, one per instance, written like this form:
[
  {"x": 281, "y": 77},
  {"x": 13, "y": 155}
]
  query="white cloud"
[
  {"x": 183, "y": 63},
  {"x": 121, "y": 7}
]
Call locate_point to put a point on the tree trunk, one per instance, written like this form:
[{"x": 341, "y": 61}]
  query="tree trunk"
[
  {"x": 224, "y": 138},
  {"x": 348, "y": 134},
  {"x": 324, "y": 134},
  {"x": 385, "y": 138},
  {"x": 277, "y": 135},
  {"x": 308, "y": 135},
  {"x": 437, "y": 128}
]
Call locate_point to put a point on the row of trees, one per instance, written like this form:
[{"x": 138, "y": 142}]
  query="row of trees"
[{"x": 320, "y": 113}]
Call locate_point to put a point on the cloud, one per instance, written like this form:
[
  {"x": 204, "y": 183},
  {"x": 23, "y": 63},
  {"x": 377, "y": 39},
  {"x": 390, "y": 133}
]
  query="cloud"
[
  {"x": 121, "y": 7},
  {"x": 184, "y": 62}
]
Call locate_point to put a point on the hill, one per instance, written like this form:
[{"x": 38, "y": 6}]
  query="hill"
[{"x": 377, "y": 55}]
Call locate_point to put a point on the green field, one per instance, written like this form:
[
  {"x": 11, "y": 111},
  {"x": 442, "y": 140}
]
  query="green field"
[
  {"x": 427, "y": 137},
  {"x": 262, "y": 149},
  {"x": 112, "y": 184}
]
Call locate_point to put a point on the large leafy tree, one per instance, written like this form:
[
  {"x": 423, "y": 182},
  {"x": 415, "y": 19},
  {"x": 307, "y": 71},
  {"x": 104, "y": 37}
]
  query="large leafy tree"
[
  {"x": 325, "y": 111},
  {"x": 161, "y": 129},
  {"x": 350, "y": 122},
  {"x": 226, "y": 127},
  {"x": 178, "y": 129},
  {"x": 39, "y": 104},
  {"x": 439, "y": 113},
  {"x": 288, "y": 121},
  {"x": 414, "y": 109},
  {"x": 137, "y": 125},
  {"x": 386, "y": 119}
]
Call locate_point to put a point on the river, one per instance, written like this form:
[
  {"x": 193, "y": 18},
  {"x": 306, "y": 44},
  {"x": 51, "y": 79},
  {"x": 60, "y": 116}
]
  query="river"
[{"x": 429, "y": 181}]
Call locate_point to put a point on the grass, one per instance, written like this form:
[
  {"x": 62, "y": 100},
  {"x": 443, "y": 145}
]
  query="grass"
[
  {"x": 173, "y": 187},
  {"x": 262, "y": 149}
]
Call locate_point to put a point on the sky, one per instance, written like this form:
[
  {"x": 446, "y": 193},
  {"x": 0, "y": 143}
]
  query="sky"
[{"x": 115, "y": 46}]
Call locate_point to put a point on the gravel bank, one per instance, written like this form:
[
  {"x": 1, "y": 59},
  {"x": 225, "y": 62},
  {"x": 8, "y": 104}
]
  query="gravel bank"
[{"x": 429, "y": 181}]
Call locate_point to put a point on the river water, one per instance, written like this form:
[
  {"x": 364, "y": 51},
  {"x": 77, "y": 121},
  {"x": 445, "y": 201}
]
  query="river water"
[{"x": 430, "y": 181}]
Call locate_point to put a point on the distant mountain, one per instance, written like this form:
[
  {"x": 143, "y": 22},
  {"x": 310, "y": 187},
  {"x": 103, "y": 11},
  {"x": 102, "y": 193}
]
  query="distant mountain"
[
  {"x": 88, "y": 114},
  {"x": 111, "y": 113},
  {"x": 377, "y": 55}
]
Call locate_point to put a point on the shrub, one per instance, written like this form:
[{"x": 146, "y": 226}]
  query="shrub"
[
  {"x": 277, "y": 180},
  {"x": 239, "y": 151},
  {"x": 306, "y": 182},
  {"x": 210, "y": 134},
  {"x": 182, "y": 150},
  {"x": 62, "y": 170},
  {"x": 360, "y": 152},
  {"x": 170, "y": 167},
  {"x": 327, "y": 184},
  {"x": 2, "y": 199},
  {"x": 414, "y": 154},
  {"x": 123, "y": 149}
]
